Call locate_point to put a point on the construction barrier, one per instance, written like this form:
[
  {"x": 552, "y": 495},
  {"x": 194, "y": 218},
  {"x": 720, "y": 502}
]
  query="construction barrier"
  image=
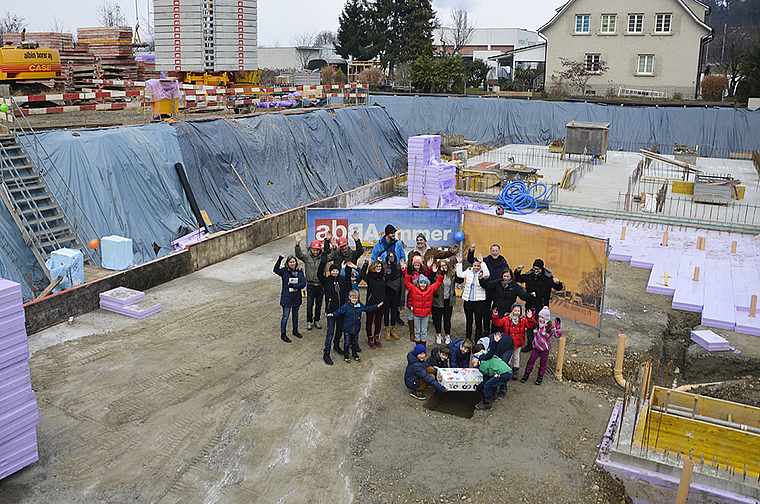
[
  {"x": 438, "y": 225},
  {"x": 577, "y": 260}
]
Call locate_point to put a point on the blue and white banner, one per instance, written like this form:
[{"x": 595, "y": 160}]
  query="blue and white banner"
[{"x": 438, "y": 226}]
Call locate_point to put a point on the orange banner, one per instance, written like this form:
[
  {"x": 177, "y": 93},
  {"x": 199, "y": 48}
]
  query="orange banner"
[{"x": 576, "y": 260}]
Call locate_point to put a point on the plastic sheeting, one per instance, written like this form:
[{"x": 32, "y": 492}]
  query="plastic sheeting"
[
  {"x": 487, "y": 119},
  {"x": 285, "y": 161},
  {"x": 125, "y": 181}
]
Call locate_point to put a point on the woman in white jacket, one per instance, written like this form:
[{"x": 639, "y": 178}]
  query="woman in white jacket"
[{"x": 474, "y": 295}]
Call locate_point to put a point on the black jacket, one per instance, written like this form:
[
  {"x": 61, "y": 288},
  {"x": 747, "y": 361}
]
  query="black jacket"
[
  {"x": 336, "y": 288},
  {"x": 541, "y": 284},
  {"x": 495, "y": 266},
  {"x": 375, "y": 285},
  {"x": 393, "y": 279},
  {"x": 504, "y": 297},
  {"x": 434, "y": 359},
  {"x": 339, "y": 257}
]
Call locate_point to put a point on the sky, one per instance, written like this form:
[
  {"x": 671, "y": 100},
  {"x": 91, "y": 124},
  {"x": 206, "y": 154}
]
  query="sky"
[{"x": 279, "y": 22}]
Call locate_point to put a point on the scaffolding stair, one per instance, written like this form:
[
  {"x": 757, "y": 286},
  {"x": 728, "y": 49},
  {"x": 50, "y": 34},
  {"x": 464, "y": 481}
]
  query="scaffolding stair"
[{"x": 35, "y": 210}]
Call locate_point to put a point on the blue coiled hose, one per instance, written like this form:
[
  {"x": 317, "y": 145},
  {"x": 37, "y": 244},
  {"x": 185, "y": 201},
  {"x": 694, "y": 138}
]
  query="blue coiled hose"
[{"x": 518, "y": 198}]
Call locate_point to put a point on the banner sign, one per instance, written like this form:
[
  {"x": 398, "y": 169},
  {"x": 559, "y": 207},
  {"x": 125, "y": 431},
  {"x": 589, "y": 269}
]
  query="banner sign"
[
  {"x": 576, "y": 260},
  {"x": 438, "y": 225}
]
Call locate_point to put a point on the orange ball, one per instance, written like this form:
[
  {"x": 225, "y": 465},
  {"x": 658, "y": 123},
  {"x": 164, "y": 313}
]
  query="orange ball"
[{"x": 94, "y": 243}]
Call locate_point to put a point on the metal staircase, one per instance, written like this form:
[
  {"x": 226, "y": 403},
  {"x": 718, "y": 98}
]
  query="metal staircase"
[{"x": 45, "y": 223}]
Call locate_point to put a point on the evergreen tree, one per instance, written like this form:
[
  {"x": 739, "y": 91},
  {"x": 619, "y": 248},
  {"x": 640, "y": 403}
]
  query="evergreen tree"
[
  {"x": 750, "y": 69},
  {"x": 404, "y": 29},
  {"x": 355, "y": 31}
]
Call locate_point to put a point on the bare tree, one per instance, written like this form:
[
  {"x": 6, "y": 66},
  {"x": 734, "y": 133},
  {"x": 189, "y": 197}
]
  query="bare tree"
[
  {"x": 12, "y": 23},
  {"x": 735, "y": 45},
  {"x": 109, "y": 14},
  {"x": 325, "y": 38},
  {"x": 304, "y": 43},
  {"x": 461, "y": 29},
  {"x": 578, "y": 72},
  {"x": 443, "y": 35},
  {"x": 56, "y": 26}
]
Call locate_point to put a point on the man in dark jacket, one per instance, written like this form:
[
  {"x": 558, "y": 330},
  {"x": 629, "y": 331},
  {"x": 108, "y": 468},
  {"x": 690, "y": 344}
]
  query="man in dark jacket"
[
  {"x": 336, "y": 290},
  {"x": 343, "y": 252},
  {"x": 314, "y": 290},
  {"x": 539, "y": 283},
  {"x": 417, "y": 376},
  {"x": 496, "y": 264}
]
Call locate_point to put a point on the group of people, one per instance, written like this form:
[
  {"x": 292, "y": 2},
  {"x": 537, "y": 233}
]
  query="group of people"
[{"x": 497, "y": 325}]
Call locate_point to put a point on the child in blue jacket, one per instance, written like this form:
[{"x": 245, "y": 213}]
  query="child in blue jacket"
[
  {"x": 418, "y": 375},
  {"x": 459, "y": 353},
  {"x": 293, "y": 280},
  {"x": 352, "y": 322}
]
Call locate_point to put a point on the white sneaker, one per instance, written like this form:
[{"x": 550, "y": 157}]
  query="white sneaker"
[
  {"x": 317, "y": 324},
  {"x": 308, "y": 326},
  {"x": 448, "y": 339},
  {"x": 438, "y": 339}
]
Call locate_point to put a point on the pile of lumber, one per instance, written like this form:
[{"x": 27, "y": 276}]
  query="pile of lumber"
[
  {"x": 58, "y": 41},
  {"x": 112, "y": 48}
]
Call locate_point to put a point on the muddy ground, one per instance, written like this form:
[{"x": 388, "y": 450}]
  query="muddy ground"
[{"x": 203, "y": 403}]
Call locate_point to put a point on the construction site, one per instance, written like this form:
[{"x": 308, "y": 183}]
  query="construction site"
[{"x": 140, "y": 356}]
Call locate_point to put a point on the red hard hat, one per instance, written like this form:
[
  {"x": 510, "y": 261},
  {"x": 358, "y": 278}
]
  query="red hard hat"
[
  {"x": 342, "y": 241},
  {"x": 316, "y": 244}
]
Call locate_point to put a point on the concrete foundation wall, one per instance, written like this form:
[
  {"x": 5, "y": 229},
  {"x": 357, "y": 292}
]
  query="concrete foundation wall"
[{"x": 57, "y": 308}]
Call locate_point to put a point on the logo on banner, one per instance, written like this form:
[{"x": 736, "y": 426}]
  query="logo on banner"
[{"x": 338, "y": 228}]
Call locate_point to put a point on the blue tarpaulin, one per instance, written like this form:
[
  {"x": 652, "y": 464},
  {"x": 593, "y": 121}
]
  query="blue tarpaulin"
[
  {"x": 282, "y": 161},
  {"x": 717, "y": 131}
]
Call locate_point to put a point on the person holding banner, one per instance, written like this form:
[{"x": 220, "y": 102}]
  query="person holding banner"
[
  {"x": 388, "y": 243},
  {"x": 473, "y": 295},
  {"x": 539, "y": 283}
]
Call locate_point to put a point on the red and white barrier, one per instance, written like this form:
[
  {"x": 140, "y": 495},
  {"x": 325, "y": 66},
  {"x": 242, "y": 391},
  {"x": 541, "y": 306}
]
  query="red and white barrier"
[{"x": 72, "y": 108}]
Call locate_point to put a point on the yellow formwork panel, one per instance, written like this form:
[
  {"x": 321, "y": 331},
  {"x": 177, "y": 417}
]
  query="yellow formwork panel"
[
  {"x": 735, "y": 446},
  {"x": 680, "y": 187}
]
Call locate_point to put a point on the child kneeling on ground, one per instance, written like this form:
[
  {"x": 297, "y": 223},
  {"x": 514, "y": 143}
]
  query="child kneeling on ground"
[
  {"x": 352, "y": 322},
  {"x": 419, "y": 375},
  {"x": 542, "y": 343},
  {"x": 459, "y": 353},
  {"x": 439, "y": 357},
  {"x": 496, "y": 374}
]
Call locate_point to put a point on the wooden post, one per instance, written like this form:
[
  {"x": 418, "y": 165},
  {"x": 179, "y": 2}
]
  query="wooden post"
[
  {"x": 753, "y": 306},
  {"x": 665, "y": 239},
  {"x": 622, "y": 234},
  {"x": 696, "y": 273},
  {"x": 683, "y": 486},
  {"x": 733, "y": 247},
  {"x": 560, "y": 358},
  {"x": 701, "y": 242}
]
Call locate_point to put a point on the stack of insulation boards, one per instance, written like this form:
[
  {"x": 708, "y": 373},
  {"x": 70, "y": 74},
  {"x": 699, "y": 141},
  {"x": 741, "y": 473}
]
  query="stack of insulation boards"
[
  {"x": 112, "y": 47},
  {"x": 19, "y": 414},
  {"x": 428, "y": 176},
  {"x": 128, "y": 302}
]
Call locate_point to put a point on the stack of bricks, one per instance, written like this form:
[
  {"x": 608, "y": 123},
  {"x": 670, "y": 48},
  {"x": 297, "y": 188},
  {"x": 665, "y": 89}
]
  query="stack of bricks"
[{"x": 19, "y": 414}]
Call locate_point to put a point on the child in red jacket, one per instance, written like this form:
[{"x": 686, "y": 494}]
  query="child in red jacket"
[
  {"x": 421, "y": 302},
  {"x": 515, "y": 323}
]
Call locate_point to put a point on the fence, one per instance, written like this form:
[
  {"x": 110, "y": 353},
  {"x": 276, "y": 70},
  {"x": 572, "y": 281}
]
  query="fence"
[{"x": 685, "y": 208}]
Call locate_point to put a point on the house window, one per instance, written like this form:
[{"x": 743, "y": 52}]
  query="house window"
[
  {"x": 608, "y": 23},
  {"x": 582, "y": 23},
  {"x": 662, "y": 23},
  {"x": 646, "y": 64},
  {"x": 635, "y": 23},
  {"x": 592, "y": 62}
]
